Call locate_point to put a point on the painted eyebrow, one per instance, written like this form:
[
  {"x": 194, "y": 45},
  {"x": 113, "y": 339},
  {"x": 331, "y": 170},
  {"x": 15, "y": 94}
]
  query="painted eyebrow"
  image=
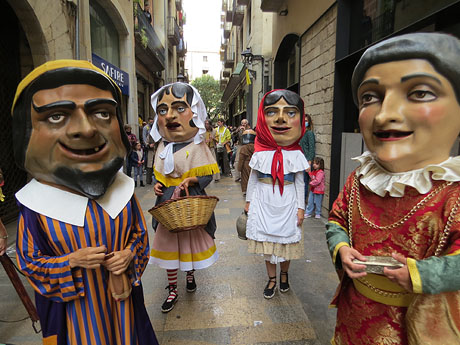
[
  {"x": 420, "y": 75},
  {"x": 98, "y": 101},
  {"x": 180, "y": 103},
  {"x": 368, "y": 81},
  {"x": 59, "y": 104}
]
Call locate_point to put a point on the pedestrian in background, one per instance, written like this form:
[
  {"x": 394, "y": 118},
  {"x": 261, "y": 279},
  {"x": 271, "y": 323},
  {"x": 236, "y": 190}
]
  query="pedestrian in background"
[
  {"x": 132, "y": 141},
  {"x": 307, "y": 143},
  {"x": 245, "y": 153},
  {"x": 223, "y": 138},
  {"x": 149, "y": 147},
  {"x": 210, "y": 140},
  {"x": 137, "y": 158},
  {"x": 315, "y": 197},
  {"x": 237, "y": 144}
]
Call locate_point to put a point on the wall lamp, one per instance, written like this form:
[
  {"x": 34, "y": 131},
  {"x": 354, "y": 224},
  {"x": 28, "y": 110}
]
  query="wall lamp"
[{"x": 248, "y": 56}]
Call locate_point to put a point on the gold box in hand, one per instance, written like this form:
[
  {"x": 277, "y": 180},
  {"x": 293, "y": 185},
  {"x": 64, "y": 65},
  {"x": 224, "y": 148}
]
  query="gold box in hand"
[{"x": 375, "y": 264}]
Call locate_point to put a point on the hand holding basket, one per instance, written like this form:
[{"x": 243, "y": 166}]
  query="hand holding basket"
[{"x": 184, "y": 213}]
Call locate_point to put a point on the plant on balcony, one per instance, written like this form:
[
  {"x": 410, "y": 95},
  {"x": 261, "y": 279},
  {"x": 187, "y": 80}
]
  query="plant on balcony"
[{"x": 144, "y": 38}]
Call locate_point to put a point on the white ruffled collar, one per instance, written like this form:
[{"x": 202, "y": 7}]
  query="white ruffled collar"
[
  {"x": 293, "y": 161},
  {"x": 380, "y": 181},
  {"x": 71, "y": 208}
]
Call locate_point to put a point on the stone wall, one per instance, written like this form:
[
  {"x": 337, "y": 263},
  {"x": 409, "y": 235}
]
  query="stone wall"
[{"x": 317, "y": 64}]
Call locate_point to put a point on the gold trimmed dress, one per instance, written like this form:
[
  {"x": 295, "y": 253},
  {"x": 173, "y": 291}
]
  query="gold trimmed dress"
[
  {"x": 413, "y": 213},
  {"x": 186, "y": 250}
]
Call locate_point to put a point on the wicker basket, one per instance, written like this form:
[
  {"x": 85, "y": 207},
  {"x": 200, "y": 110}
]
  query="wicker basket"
[{"x": 185, "y": 213}]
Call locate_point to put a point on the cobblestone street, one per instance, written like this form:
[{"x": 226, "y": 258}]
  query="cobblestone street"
[{"x": 228, "y": 306}]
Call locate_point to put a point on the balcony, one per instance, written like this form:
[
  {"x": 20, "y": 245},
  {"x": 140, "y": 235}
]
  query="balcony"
[
  {"x": 238, "y": 15},
  {"x": 148, "y": 47},
  {"x": 178, "y": 5},
  {"x": 227, "y": 30},
  {"x": 272, "y": 5},
  {"x": 229, "y": 59},
  {"x": 181, "y": 48},
  {"x": 173, "y": 31},
  {"x": 223, "y": 84}
]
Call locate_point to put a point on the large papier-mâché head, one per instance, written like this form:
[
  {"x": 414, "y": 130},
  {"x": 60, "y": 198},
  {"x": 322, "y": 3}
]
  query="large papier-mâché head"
[
  {"x": 407, "y": 89},
  {"x": 67, "y": 126}
]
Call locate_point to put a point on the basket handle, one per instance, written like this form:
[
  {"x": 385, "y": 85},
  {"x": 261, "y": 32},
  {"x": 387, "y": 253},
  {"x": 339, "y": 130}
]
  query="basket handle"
[{"x": 177, "y": 192}]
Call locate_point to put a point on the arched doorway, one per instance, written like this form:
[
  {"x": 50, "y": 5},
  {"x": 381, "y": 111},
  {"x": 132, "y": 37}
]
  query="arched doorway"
[
  {"x": 15, "y": 62},
  {"x": 286, "y": 65}
]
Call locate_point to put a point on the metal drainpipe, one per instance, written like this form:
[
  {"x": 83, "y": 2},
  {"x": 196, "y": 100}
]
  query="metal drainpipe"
[
  {"x": 166, "y": 8},
  {"x": 77, "y": 32}
]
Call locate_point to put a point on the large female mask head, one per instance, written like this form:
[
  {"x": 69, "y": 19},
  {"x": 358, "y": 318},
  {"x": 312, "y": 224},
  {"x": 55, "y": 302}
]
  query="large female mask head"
[
  {"x": 407, "y": 89},
  {"x": 180, "y": 113},
  {"x": 284, "y": 116}
]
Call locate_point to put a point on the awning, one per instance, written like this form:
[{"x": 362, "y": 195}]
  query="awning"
[{"x": 234, "y": 81}]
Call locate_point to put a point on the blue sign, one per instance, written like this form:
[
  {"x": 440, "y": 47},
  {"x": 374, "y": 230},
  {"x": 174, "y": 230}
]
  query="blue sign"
[{"x": 119, "y": 76}]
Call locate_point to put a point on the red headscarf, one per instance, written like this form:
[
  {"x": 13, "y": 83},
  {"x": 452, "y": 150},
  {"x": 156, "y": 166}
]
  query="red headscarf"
[{"x": 265, "y": 142}]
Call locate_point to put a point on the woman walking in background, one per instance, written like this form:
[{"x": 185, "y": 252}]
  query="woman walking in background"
[{"x": 307, "y": 143}]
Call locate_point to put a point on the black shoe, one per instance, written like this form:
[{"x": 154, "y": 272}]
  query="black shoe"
[
  {"x": 168, "y": 306},
  {"x": 191, "y": 284},
  {"x": 284, "y": 286},
  {"x": 135, "y": 183},
  {"x": 270, "y": 292},
  {"x": 142, "y": 184}
]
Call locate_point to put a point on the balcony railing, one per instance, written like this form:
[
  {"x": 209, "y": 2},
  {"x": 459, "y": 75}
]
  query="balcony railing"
[
  {"x": 173, "y": 31},
  {"x": 271, "y": 5},
  {"x": 181, "y": 48},
  {"x": 238, "y": 15},
  {"x": 229, "y": 59},
  {"x": 227, "y": 30},
  {"x": 148, "y": 46}
]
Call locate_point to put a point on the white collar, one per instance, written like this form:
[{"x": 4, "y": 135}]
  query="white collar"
[
  {"x": 71, "y": 208},
  {"x": 380, "y": 181}
]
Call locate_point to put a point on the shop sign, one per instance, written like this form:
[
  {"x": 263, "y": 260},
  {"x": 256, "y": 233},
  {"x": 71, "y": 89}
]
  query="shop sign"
[{"x": 119, "y": 76}]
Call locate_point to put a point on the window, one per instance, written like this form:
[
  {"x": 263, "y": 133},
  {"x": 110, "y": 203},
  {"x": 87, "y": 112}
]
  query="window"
[
  {"x": 104, "y": 36},
  {"x": 205, "y": 58}
]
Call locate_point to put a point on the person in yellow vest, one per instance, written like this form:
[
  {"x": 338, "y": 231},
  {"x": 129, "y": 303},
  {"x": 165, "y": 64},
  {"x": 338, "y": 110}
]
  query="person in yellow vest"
[{"x": 223, "y": 138}]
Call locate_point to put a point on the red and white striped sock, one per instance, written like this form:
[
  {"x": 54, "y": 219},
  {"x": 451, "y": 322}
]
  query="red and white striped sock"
[
  {"x": 190, "y": 275},
  {"x": 172, "y": 280}
]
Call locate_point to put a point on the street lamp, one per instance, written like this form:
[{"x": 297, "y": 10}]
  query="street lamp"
[
  {"x": 180, "y": 78},
  {"x": 248, "y": 56}
]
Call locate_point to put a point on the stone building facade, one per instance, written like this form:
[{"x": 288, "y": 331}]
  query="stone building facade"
[{"x": 317, "y": 66}]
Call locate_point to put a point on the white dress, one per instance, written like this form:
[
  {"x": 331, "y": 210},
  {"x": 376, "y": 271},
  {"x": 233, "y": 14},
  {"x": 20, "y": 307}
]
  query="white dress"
[{"x": 272, "y": 217}]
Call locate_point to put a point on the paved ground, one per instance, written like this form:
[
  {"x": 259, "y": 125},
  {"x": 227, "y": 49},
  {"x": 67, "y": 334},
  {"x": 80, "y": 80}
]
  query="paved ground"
[{"x": 228, "y": 306}]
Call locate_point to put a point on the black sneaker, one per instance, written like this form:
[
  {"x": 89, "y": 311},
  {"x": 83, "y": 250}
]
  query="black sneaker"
[
  {"x": 191, "y": 284},
  {"x": 284, "y": 286},
  {"x": 168, "y": 306},
  {"x": 270, "y": 292}
]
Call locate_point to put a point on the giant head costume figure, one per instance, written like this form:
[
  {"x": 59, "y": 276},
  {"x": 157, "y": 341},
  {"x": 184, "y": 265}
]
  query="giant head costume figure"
[
  {"x": 67, "y": 127},
  {"x": 180, "y": 114},
  {"x": 407, "y": 89},
  {"x": 280, "y": 125}
]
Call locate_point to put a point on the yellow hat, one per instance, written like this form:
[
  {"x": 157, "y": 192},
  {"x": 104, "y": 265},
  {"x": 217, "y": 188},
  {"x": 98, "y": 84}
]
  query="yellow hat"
[{"x": 54, "y": 65}]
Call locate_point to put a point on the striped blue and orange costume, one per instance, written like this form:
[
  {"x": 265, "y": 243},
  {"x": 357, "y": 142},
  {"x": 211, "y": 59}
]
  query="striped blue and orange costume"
[{"x": 91, "y": 315}]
